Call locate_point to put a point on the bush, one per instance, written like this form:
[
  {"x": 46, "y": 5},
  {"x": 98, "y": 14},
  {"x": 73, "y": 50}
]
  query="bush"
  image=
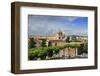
[
  {"x": 68, "y": 39},
  {"x": 33, "y": 54},
  {"x": 43, "y": 44},
  {"x": 56, "y": 50},
  {"x": 42, "y": 52},
  {"x": 50, "y": 52},
  {"x": 83, "y": 48},
  {"x": 72, "y": 45},
  {"x": 32, "y": 43}
]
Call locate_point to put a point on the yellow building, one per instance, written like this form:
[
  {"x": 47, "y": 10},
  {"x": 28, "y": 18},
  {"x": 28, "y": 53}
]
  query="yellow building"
[{"x": 57, "y": 36}]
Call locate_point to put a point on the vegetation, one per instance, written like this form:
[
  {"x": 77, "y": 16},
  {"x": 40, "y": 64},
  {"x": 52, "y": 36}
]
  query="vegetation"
[
  {"x": 83, "y": 48},
  {"x": 49, "y": 43},
  {"x": 43, "y": 44},
  {"x": 42, "y": 52},
  {"x": 68, "y": 39},
  {"x": 74, "y": 39},
  {"x": 32, "y": 43}
]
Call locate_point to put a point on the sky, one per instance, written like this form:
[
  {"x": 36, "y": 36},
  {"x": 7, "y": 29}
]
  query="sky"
[{"x": 46, "y": 25}]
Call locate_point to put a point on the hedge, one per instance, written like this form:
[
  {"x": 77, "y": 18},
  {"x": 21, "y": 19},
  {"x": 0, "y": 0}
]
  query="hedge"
[{"x": 42, "y": 52}]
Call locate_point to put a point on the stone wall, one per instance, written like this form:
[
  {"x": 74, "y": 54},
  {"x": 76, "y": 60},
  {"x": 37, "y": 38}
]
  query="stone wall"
[{"x": 68, "y": 52}]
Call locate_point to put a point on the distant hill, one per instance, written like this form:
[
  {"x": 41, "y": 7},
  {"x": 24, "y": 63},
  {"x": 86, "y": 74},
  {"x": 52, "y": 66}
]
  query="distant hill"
[{"x": 75, "y": 35}]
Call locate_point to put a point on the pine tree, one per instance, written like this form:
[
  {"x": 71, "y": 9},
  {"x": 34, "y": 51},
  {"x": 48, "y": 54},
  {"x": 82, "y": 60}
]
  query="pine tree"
[
  {"x": 43, "y": 44},
  {"x": 32, "y": 43},
  {"x": 68, "y": 39},
  {"x": 49, "y": 43}
]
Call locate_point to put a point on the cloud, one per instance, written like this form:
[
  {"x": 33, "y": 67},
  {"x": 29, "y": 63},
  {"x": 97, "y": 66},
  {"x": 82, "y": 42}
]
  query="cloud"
[
  {"x": 44, "y": 25},
  {"x": 70, "y": 18}
]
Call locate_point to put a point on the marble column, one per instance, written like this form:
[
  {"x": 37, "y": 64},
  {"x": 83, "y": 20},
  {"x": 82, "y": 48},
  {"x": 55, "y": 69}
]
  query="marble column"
[{"x": 76, "y": 51}]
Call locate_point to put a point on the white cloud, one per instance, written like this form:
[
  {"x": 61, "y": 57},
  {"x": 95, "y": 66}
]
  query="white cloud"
[
  {"x": 71, "y": 18},
  {"x": 44, "y": 26}
]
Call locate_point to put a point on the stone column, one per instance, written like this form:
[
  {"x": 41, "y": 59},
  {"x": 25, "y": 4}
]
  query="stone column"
[{"x": 76, "y": 51}]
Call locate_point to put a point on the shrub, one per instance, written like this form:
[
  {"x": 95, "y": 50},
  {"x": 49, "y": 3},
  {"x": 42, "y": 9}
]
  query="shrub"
[
  {"x": 72, "y": 45},
  {"x": 83, "y": 48},
  {"x": 43, "y": 44},
  {"x": 32, "y": 43},
  {"x": 50, "y": 51},
  {"x": 33, "y": 54},
  {"x": 42, "y": 52}
]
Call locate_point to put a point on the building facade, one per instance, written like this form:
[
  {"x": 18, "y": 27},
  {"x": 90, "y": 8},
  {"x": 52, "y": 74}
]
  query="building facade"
[{"x": 57, "y": 39}]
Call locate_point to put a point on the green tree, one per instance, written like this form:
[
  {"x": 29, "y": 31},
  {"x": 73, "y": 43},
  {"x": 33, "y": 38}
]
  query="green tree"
[
  {"x": 81, "y": 49},
  {"x": 56, "y": 50},
  {"x": 32, "y": 43},
  {"x": 68, "y": 39},
  {"x": 43, "y": 44},
  {"x": 42, "y": 53},
  {"x": 74, "y": 39},
  {"x": 33, "y": 53},
  {"x": 50, "y": 52},
  {"x": 49, "y": 43},
  {"x": 85, "y": 48}
]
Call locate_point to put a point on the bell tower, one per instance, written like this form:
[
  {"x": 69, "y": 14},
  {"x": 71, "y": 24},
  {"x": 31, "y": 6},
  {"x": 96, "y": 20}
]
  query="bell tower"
[{"x": 61, "y": 35}]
